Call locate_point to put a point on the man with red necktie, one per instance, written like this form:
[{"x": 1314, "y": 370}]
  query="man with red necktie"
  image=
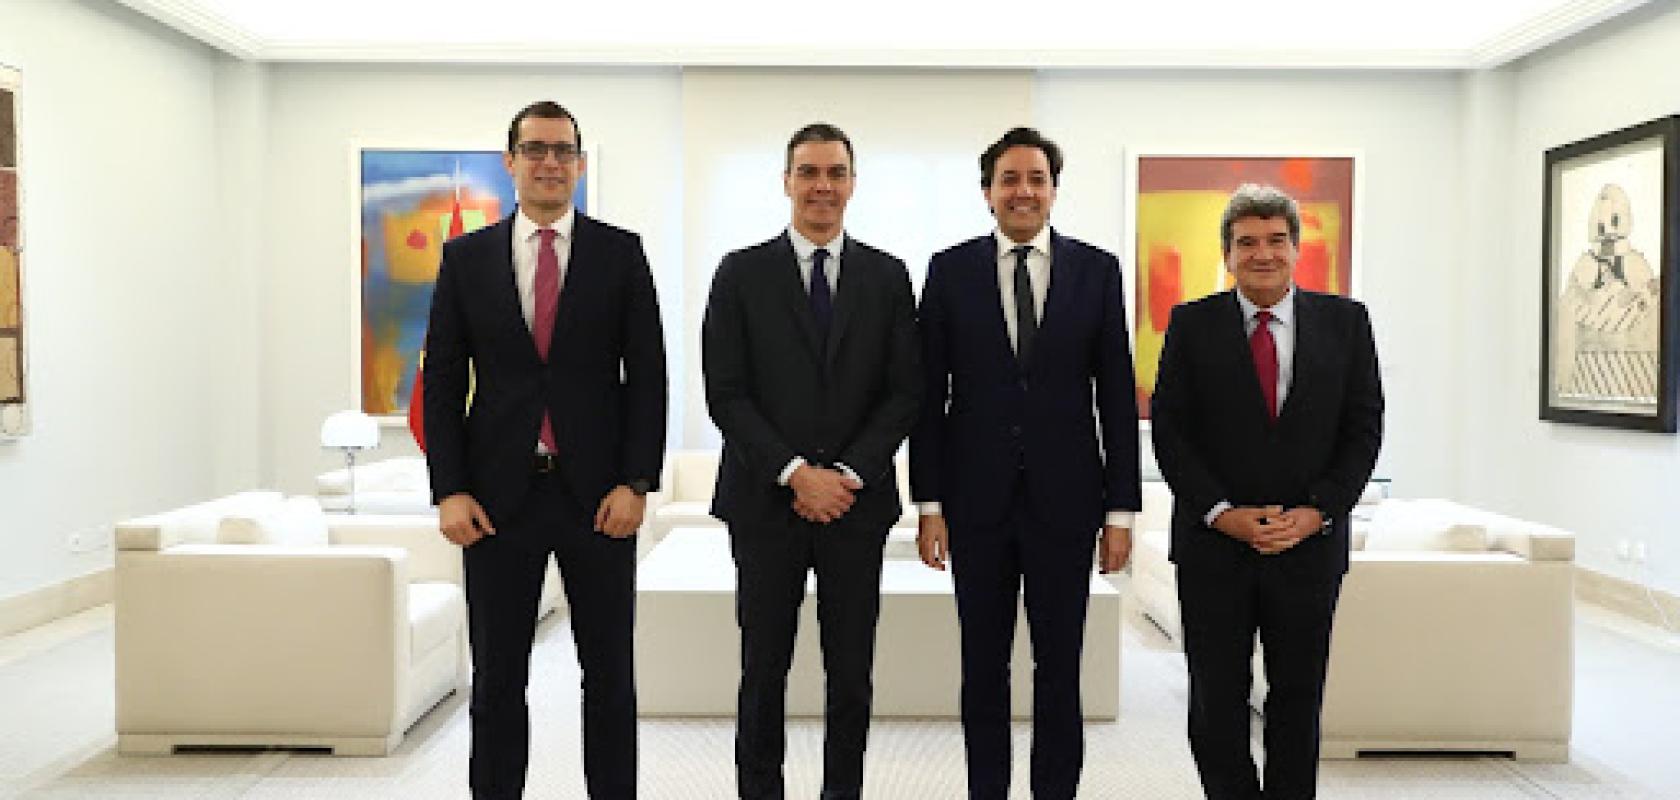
[
  {"x": 1267, "y": 419},
  {"x": 556, "y": 315}
]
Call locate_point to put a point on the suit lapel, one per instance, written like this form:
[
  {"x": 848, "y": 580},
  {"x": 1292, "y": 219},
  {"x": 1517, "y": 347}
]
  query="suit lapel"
[
  {"x": 578, "y": 283},
  {"x": 1063, "y": 288},
  {"x": 793, "y": 294},
  {"x": 505, "y": 286},
  {"x": 845, "y": 296},
  {"x": 1302, "y": 375},
  {"x": 991, "y": 296}
]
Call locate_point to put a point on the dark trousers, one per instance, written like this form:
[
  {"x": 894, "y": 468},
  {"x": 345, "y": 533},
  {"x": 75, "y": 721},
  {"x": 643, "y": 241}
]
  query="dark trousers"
[
  {"x": 1222, "y": 610},
  {"x": 990, "y": 565},
  {"x": 771, "y": 563},
  {"x": 504, "y": 575}
]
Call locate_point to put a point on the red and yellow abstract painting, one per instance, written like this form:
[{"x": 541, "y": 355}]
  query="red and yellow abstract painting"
[{"x": 1178, "y": 258}]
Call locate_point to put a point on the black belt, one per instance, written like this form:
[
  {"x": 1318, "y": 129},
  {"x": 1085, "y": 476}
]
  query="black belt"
[{"x": 544, "y": 463}]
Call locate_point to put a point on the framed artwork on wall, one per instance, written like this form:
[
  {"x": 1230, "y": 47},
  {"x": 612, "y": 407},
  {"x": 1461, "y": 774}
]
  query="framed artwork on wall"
[
  {"x": 1177, "y": 201},
  {"x": 409, "y": 201},
  {"x": 1607, "y": 281},
  {"x": 14, "y": 384}
]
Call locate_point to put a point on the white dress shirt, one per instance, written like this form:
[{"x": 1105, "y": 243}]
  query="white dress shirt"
[
  {"x": 1282, "y": 325},
  {"x": 1038, "y": 273},
  {"x": 526, "y": 240},
  {"x": 804, "y": 250}
]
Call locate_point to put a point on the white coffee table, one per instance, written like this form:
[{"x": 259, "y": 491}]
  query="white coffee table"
[{"x": 688, "y": 646}]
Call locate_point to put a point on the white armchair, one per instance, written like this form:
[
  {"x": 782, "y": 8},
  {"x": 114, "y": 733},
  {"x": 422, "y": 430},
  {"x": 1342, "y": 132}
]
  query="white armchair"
[
  {"x": 1454, "y": 631},
  {"x": 342, "y": 642}
]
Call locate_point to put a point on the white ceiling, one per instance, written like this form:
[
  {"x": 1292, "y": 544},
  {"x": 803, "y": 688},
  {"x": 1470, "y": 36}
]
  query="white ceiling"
[{"x": 1414, "y": 34}]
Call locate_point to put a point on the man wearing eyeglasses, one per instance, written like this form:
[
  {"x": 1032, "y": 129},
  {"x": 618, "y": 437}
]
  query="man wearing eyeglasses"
[
  {"x": 809, "y": 349},
  {"x": 554, "y": 315}
]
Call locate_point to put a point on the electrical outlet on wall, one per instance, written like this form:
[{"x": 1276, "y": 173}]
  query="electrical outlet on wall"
[
  {"x": 1624, "y": 549},
  {"x": 1639, "y": 551},
  {"x": 90, "y": 540}
]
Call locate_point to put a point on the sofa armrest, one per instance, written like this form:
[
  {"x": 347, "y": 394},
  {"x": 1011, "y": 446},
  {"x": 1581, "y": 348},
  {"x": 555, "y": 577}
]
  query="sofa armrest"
[
  {"x": 1530, "y": 540},
  {"x": 252, "y": 639},
  {"x": 431, "y": 557},
  {"x": 1459, "y": 647}
]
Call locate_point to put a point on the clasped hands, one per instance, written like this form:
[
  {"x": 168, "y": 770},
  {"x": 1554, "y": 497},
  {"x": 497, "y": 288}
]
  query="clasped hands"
[
  {"x": 463, "y": 521},
  {"x": 822, "y": 495},
  {"x": 933, "y": 544},
  {"x": 1269, "y": 529}
]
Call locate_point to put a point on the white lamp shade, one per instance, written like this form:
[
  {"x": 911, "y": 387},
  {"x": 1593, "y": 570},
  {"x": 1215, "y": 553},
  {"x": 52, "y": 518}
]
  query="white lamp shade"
[{"x": 350, "y": 430}]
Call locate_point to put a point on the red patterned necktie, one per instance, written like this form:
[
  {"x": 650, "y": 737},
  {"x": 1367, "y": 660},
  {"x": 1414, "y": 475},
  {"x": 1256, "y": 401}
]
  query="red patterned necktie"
[
  {"x": 547, "y": 292},
  {"x": 1264, "y": 348}
]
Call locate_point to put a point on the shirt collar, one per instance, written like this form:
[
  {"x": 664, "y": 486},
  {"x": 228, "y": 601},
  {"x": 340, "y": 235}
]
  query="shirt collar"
[
  {"x": 1283, "y": 312},
  {"x": 803, "y": 247},
  {"x": 1039, "y": 243},
  {"x": 525, "y": 228}
]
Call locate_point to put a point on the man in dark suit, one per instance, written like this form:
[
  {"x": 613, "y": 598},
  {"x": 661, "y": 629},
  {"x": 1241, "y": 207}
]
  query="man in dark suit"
[
  {"x": 809, "y": 348},
  {"x": 1024, "y": 348},
  {"x": 555, "y": 315},
  {"x": 1267, "y": 420}
]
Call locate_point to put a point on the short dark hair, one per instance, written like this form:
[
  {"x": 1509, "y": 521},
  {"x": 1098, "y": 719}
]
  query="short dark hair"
[
  {"x": 1020, "y": 137},
  {"x": 1263, "y": 201},
  {"x": 542, "y": 109},
  {"x": 818, "y": 132}
]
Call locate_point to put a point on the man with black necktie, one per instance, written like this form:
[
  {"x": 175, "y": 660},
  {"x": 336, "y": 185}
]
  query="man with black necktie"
[
  {"x": 809, "y": 351},
  {"x": 555, "y": 315},
  {"x": 1267, "y": 419},
  {"x": 1025, "y": 459}
]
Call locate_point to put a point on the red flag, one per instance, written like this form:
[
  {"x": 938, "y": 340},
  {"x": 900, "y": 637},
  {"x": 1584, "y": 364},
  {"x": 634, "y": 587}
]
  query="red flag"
[
  {"x": 417, "y": 412},
  {"x": 457, "y": 225}
]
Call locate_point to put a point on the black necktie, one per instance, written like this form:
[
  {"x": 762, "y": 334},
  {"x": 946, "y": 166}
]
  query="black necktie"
[
  {"x": 1026, "y": 321},
  {"x": 822, "y": 298}
]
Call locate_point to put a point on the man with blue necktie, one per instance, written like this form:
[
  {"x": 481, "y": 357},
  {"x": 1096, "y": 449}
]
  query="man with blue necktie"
[{"x": 809, "y": 353}]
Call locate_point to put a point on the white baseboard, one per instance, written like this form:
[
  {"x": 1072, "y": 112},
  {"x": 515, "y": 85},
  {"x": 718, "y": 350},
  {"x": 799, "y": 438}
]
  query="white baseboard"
[
  {"x": 1624, "y": 597},
  {"x": 56, "y": 601}
]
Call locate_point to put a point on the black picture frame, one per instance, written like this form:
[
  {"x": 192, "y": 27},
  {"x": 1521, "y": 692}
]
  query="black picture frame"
[{"x": 1608, "y": 279}]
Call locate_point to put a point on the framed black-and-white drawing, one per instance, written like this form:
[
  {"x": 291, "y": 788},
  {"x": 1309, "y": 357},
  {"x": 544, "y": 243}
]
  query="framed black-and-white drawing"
[{"x": 1607, "y": 340}]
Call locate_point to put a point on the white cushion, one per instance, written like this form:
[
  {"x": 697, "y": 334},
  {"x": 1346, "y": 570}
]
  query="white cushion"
[
  {"x": 1415, "y": 527},
  {"x": 297, "y": 522},
  {"x": 435, "y": 612}
]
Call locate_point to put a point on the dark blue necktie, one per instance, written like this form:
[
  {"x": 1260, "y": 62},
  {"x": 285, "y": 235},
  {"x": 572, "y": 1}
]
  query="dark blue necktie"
[
  {"x": 822, "y": 298},
  {"x": 1026, "y": 322}
]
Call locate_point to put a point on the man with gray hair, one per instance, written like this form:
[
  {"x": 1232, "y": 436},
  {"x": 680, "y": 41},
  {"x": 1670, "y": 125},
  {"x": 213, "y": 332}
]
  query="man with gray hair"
[{"x": 1267, "y": 419}]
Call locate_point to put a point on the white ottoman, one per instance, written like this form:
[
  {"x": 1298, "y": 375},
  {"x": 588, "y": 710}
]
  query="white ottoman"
[{"x": 688, "y": 646}]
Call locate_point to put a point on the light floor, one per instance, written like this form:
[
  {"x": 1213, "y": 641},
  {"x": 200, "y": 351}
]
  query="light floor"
[{"x": 57, "y": 741}]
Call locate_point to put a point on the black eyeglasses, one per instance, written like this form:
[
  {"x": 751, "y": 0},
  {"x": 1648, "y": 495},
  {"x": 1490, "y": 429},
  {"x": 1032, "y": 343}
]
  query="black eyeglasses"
[{"x": 537, "y": 151}]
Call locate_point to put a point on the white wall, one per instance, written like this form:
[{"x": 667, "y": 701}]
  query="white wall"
[
  {"x": 1404, "y": 129},
  {"x": 1602, "y": 484},
  {"x": 127, "y": 327},
  {"x": 318, "y": 113}
]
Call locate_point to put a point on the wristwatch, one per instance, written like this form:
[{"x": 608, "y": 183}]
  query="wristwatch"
[{"x": 639, "y": 486}]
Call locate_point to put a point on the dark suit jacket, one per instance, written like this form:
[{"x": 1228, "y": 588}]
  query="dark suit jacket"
[
  {"x": 776, "y": 392},
  {"x": 984, "y": 413},
  {"x": 604, "y": 383},
  {"x": 1214, "y": 441}
]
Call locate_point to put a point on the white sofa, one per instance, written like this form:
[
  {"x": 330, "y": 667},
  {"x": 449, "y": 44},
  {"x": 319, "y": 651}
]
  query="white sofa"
[
  {"x": 1468, "y": 649},
  {"x": 388, "y": 486},
  {"x": 338, "y": 638}
]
